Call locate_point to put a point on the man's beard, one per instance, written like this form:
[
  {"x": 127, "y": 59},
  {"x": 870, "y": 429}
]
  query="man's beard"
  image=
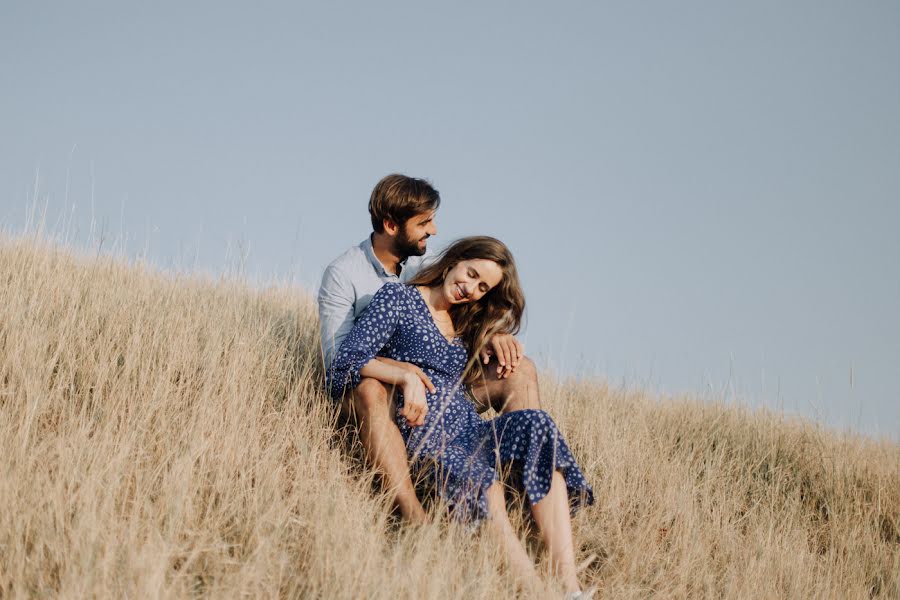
[{"x": 404, "y": 246}]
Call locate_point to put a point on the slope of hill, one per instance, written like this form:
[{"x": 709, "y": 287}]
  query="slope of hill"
[{"x": 164, "y": 436}]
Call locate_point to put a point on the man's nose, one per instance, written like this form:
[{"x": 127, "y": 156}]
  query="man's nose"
[{"x": 432, "y": 229}]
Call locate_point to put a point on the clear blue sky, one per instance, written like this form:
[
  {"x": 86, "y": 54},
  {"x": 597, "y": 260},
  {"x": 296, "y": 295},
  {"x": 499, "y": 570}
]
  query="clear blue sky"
[{"x": 702, "y": 198}]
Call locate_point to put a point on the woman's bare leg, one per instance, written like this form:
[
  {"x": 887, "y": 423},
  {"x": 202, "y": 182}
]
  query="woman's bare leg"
[
  {"x": 499, "y": 524},
  {"x": 517, "y": 391},
  {"x": 555, "y": 524}
]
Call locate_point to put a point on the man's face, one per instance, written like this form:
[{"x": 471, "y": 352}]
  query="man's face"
[{"x": 411, "y": 237}]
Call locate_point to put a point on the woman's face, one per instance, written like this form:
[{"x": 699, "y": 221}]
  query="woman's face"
[{"x": 471, "y": 279}]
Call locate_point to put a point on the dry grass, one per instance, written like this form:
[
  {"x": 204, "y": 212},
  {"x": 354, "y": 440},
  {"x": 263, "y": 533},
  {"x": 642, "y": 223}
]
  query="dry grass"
[{"x": 165, "y": 436}]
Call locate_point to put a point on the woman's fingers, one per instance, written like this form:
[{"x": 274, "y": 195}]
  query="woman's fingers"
[
  {"x": 425, "y": 380},
  {"x": 486, "y": 355},
  {"x": 498, "y": 352},
  {"x": 519, "y": 351},
  {"x": 503, "y": 355},
  {"x": 514, "y": 351},
  {"x": 414, "y": 410},
  {"x": 415, "y": 405},
  {"x": 412, "y": 416},
  {"x": 423, "y": 410},
  {"x": 508, "y": 350}
]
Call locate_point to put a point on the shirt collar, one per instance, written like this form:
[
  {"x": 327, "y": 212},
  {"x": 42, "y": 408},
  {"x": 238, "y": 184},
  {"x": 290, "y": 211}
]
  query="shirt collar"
[{"x": 369, "y": 250}]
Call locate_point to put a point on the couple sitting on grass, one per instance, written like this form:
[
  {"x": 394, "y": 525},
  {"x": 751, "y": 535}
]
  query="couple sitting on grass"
[{"x": 416, "y": 349}]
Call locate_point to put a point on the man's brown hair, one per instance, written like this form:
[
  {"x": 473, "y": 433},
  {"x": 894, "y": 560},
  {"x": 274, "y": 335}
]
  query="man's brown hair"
[{"x": 398, "y": 198}]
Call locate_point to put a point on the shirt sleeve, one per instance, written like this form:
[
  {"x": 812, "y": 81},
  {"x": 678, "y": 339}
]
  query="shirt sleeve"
[
  {"x": 336, "y": 300},
  {"x": 372, "y": 331}
]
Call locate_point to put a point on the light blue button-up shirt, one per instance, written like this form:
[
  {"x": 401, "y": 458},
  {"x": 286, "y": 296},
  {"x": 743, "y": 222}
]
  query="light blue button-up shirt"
[{"x": 348, "y": 285}]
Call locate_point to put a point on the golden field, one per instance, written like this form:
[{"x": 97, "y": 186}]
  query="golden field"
[{"x": 165, "y": 436}]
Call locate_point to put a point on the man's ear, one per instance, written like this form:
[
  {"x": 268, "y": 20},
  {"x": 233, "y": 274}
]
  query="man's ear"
[{"x": 390, "y": 227}]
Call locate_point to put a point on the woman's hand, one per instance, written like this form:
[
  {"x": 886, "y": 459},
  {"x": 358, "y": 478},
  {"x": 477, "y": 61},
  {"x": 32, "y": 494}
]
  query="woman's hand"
[
  {"x": 411, "y": 380},
  {"x": 414, "y": 405},
  {"x": 507, "y": 349},
  {"x": 411, "y": 368}
]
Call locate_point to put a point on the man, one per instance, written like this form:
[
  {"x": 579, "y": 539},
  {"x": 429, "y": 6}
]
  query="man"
[{"x": 402, "y": 211}]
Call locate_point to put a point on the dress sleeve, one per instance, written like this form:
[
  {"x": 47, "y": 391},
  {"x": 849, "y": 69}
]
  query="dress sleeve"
[{"x": 369, "y": 335}]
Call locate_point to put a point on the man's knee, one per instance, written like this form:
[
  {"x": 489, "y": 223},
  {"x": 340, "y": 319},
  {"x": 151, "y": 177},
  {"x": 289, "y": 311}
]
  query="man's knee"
[
  {"x": 521, "y": 391},
  {"x": 525, "y": 376},
  {"x": 526, "y": 371},
  {"x": 517, "y": 392},
  {"x": 370, "y": 398}
]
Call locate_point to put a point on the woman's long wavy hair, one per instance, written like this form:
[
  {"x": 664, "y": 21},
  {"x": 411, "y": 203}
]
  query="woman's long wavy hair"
[{"x": 498, "y": 311}]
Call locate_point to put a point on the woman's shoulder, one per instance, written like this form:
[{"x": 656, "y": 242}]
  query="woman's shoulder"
[
  {"x": 394, "y": 293},
  {"x": 390, "y": 289},
  {"x": 393, "y": 288}
]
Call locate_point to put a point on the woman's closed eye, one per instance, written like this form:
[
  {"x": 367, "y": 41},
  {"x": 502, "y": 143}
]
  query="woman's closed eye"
[{"x": 474, "y": 275}]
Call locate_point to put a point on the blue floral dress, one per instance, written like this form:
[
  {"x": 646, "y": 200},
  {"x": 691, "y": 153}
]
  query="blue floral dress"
[{"x": 457, "y": 449}]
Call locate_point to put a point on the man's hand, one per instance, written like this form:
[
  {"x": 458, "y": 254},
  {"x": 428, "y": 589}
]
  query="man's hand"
[
  {"x": 410, "y": 368},
  {"x": 507, "y": 349},
  {"x": 414, "y": 405}
]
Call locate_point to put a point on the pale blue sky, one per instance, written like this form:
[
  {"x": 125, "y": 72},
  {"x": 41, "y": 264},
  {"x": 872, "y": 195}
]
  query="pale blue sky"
[{"x": 702, "y": 197}]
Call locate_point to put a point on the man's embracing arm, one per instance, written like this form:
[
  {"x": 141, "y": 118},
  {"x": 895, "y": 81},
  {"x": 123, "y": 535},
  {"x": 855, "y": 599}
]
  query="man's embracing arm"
[{"x": 336, "y": 299}]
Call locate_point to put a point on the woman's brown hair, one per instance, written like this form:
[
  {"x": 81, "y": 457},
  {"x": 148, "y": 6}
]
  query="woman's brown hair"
[{"x": 498, "y": 311}]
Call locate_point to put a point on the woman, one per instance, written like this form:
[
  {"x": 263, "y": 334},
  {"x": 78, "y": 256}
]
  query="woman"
[{"x": 437, "y": 322}]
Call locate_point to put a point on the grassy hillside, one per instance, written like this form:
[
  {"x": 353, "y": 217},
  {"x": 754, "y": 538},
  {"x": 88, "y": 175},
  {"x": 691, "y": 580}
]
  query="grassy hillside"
[{"x": 165, "y": 436}]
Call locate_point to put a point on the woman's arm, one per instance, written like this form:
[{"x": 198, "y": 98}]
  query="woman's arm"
[
  {"x": 415, "y": 405},
  {"x": 371, "y": 332},
  {"x": 409, "y": 368},
  {"x": 386, "y": 373},
  {"x": 357, "y": 358},
  {"x": 411, "y": 380}
]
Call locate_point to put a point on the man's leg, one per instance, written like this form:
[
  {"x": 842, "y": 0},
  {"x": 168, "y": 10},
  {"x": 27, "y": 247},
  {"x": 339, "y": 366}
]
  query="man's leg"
[
  {"x": 517, "y": 392},
  {"x": 385, "y": 449}
]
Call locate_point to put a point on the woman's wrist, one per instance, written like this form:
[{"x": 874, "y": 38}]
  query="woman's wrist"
[{"x": 406, "y": 378}]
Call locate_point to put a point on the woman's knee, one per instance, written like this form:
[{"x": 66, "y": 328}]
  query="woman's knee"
[
  {"x": 370, "y": 396},
  {"x": 522, "y": 387},
  {"x": 527, "y": 369},
  {"x": 525, "y": 375}
]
